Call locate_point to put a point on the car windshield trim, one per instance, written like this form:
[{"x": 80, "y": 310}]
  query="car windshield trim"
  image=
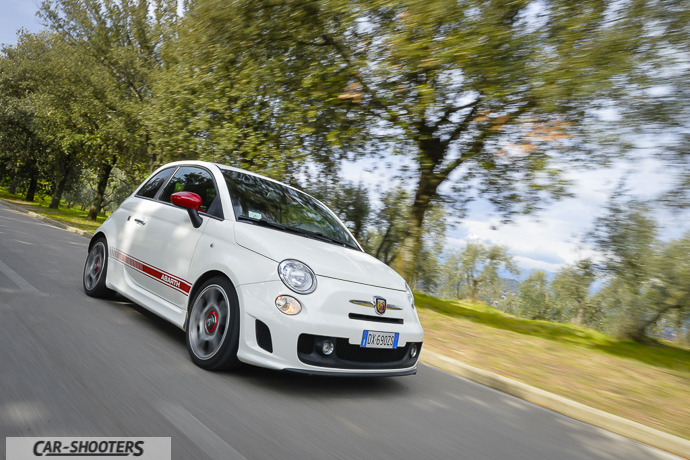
[{"x": 261, "y": 201}]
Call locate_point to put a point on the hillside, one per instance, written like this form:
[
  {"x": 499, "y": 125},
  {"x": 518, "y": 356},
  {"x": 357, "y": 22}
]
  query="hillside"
[{"x": 649, "y": 385}]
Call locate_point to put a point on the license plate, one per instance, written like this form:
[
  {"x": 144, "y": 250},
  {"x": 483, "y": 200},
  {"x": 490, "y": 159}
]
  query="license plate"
[{"x": 375, "y": 339}]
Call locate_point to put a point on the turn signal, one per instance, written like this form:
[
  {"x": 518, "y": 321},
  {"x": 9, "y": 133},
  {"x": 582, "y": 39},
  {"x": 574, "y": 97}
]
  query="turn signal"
[{"x": 288, "y": 305}]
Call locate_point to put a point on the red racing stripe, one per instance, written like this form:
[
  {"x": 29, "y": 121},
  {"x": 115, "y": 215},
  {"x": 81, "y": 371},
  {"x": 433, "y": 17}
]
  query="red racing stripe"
[{"x": 172, "y": 281}]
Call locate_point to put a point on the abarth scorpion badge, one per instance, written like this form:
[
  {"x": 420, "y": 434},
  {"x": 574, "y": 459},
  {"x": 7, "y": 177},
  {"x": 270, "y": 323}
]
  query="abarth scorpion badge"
[{"x": 380, "y": 305}]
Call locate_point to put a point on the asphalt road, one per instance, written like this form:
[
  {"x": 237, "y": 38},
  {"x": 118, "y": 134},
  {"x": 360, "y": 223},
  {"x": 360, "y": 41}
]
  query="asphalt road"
[{"x": 71, "y": 365}]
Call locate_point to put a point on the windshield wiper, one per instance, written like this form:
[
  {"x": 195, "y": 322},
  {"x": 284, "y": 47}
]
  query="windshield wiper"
[
  {"x": 299, "y": 231},
  {"x": 322, "y": 237},
  {"x": 263, "y": 222}
]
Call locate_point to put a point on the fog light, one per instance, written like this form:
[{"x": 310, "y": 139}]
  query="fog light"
[
  {"x": 327, "y": 348},
  {"x": 413, "y": 351},
  {"x": 288, "y": 305}
]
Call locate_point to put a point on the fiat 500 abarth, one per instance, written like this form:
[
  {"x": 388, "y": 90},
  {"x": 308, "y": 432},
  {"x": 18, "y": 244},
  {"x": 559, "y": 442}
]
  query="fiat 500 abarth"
[{"x": 254, "y": 271}]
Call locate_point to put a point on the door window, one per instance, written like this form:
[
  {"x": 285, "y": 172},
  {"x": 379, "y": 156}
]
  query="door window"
[
  {"x": 151, "y": 187},
  {"x": 196, "y": 180}
]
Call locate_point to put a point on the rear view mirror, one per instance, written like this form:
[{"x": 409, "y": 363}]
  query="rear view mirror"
[{"x": 190, "y": 201}]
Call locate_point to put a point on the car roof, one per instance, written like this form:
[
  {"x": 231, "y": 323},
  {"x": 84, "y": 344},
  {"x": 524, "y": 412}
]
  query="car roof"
[{"x": 210, "y": 165}]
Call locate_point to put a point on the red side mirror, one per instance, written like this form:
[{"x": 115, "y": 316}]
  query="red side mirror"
[{"x": 187, "y": 200}]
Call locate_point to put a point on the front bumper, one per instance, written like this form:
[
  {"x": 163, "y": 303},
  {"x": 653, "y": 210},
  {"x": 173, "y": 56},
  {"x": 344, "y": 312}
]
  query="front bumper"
[{"x": 271, "y": 339}]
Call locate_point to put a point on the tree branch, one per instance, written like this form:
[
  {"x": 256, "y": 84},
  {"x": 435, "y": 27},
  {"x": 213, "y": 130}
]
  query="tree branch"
[{"x": 394, "y": 117}]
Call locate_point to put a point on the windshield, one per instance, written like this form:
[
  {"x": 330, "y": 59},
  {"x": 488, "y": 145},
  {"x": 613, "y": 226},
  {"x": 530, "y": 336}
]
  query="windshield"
[{"x": 261, "y": 201}]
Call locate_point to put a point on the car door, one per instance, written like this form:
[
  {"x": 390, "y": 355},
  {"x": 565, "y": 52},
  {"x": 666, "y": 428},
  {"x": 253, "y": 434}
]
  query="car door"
[{"x": 164, "y": 239}]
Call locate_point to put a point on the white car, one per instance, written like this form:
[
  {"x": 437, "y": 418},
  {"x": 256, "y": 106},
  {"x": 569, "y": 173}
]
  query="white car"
[{"x": 254, "y": 271}]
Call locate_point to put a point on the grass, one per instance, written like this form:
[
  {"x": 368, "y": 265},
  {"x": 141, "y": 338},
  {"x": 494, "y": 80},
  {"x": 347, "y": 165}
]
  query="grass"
[
  {"x": 73, "y": 217},
  {"x": 647, "y": 384}
]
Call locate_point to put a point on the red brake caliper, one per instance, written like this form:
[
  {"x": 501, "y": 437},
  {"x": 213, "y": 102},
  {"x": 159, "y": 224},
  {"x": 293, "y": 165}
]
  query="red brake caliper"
[{"x": 211, "y": 321}]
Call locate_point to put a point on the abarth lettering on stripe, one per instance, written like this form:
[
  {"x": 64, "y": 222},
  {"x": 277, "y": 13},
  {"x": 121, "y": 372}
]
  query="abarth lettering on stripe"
[{"x": 169, "y": 280}]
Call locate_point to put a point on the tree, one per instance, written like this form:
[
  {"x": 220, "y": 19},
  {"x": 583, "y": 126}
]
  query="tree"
[
  {"x": 626, "y": 235},
  {"x": 226, "y": 92},
  {"x": 388, "y": 227},
  {"x": 22, "y": 145},
  {"x": 534, "y": 301},
  {"x": 427, "y": 272},
  {"x": 120, "y": 43},
  {"x": 475, "y": 92},
  {"x": 669, "y": 291},
  {"x": 571, "y": 289},
  {"x": 475, "y": 270}
]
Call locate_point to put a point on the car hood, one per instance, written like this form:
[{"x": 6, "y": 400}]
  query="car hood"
[{"x": 324, "y": 258}]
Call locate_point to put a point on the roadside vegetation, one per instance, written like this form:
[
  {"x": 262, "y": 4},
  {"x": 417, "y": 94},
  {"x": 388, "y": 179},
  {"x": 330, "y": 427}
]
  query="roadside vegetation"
[
  {"x": 72, "y": 217},
  {"x": 646, "y": 383}
]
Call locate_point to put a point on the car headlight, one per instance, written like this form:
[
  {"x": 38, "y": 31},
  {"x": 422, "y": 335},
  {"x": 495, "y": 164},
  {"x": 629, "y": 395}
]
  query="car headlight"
[
  {"x": 297, "y": 276},
  {"x": 410, "y": 295}
]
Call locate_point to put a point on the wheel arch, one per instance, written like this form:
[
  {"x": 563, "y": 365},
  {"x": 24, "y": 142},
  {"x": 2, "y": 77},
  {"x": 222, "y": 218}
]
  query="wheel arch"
[
  {"x": 94, "y": 238},
  {"x": 199, "y": 282}
]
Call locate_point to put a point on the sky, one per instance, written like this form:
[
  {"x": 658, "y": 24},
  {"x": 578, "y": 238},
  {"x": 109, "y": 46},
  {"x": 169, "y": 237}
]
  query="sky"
[
  {"x": 15, "y": 15},
  {"x": 552, "y": 238},
  {"x": 545, "y": 241}
]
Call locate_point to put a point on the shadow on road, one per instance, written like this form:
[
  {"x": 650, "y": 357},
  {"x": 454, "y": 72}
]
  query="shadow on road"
[{"x": 283, "y": 382}]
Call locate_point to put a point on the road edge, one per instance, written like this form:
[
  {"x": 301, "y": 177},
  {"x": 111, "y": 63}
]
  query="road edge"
[
  {"x": 47, "y": 220},
  {"x": 619, "y": 425}
]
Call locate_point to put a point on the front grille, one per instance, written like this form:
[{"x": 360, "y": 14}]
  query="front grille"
[
  {"x": 263, "y": 336},
  {"x": 347, "y": 356},
  {"x": 305, "y": 344},
  {"x": 376, "y": 319}
]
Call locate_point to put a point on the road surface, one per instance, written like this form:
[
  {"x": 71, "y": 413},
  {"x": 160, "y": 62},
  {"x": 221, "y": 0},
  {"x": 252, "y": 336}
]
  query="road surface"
[{"x": 71, "y": 365}]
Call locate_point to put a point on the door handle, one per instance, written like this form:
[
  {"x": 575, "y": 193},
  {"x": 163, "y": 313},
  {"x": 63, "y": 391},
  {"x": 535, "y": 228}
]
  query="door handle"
[{"x": 140, "y": 222}]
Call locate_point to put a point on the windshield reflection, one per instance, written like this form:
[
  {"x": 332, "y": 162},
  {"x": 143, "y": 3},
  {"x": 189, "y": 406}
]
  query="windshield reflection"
[{"x": 258, "y": 200}]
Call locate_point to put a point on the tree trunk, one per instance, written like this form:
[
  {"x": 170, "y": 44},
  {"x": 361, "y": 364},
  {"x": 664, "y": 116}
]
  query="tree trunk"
[
  {"x": 577, "y": 321},
  {"x": 427, "y": 187},
  {"x": 475, "y": 289},
  {"x": 384, "y": 240},
  {"x": 410, "y": 248},
  {"x": 103, "y": 177},
  {"x": 60, "y": 186},
  {"x": 57, "y": 193},
  {"x": 31, "y": 192},
  {"x": 13, "y": 185}
]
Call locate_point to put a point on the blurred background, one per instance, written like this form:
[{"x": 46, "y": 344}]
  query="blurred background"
[
  {"x": 527, "y": 161},
  {"x": 529, "y": 154}
]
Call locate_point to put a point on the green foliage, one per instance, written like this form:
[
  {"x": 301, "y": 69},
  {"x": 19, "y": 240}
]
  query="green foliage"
[
  {"x": 473, "y": 272},
  {"x": 535, "y": 301},
  {"x": 570, "y": 290},
  {"x": 262, "y": 84},
  {"x": 662, "y": 355}
]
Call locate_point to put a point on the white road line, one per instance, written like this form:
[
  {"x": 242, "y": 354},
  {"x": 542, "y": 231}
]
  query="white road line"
[
  {"x": 23, "y": 284},
  {"x": 201, "y": 435}
]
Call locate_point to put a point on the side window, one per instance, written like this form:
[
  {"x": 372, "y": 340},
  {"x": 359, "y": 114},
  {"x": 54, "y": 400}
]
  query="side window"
[
  {"x": 196, "y": 180},
  {"x": 151, "y": 187}
]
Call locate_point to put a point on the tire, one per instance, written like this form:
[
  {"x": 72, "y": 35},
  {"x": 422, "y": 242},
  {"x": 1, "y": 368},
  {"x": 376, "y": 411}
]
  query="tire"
[
  {"x": 213, "y": 325},
  {"x": 96, "y": 269}
]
